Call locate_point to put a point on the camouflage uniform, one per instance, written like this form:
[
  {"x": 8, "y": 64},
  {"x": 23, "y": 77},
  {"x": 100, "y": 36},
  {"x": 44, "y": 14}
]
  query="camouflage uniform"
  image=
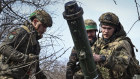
[
  {"x": 19, "y": 54},
  {"x": 73, "y": 66},
  {"x": 116, "y": 49}
]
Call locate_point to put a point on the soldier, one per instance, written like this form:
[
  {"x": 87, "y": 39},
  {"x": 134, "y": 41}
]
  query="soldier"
[
  {"x": 112, "y": 52},
  {"x": 73, "y": 69},
  {"x": 19, "y": 52}
]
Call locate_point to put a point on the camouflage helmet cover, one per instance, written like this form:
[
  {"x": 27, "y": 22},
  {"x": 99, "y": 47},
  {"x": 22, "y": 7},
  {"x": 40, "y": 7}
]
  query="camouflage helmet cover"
[
  {"x": 90, "y": 24},
  {"x": 109, "y": 18},
  {"x": 43, "y": 17}
]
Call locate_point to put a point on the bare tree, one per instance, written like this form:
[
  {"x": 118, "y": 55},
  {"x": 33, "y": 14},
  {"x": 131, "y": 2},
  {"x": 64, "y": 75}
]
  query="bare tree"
[
  {"x": 137, "y": 7},
  {"x": 13, "y": 13},
  {"x": 57, "y": 70}
]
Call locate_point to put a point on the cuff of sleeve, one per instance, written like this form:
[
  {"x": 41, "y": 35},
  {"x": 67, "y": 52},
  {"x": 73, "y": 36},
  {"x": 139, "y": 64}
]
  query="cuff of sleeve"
[{"x": 102, "y": 58}]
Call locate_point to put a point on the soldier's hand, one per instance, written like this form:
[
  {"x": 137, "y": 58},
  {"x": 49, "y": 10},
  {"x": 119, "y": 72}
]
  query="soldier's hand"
[
  {"x": 32, "y": 57},
  {"x": 99, "y": 58},
  {"x": 96, "y": 57}
]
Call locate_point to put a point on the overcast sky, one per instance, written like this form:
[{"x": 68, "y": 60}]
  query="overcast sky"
[{"x": 125, "y": 9}]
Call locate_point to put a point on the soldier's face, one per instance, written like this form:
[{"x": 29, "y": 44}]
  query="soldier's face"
[
  {"x": 91, "y": 34},
  {"x": 107, "y": 31},
  {"x": 39, "y": 26},
  {"x": 41, "y": 29}
]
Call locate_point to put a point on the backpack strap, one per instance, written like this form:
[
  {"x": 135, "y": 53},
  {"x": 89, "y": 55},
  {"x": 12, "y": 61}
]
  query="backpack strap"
[
  {"x": 26, "y": 28},
  {"x": 132, "y": 46},
  {"x": 130, "y": 42}
]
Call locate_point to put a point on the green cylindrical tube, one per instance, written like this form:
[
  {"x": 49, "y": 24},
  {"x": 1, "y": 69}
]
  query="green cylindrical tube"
[{"x": 73, "y": 15}]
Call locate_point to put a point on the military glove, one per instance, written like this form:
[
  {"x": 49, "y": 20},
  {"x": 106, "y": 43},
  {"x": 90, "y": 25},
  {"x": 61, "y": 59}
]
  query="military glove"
[
  {"x": 69, "y": 74},
  {"x": 41, "y": 75}
]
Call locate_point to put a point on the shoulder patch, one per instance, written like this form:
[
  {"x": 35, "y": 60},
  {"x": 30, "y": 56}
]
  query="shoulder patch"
[
  {"x": 14, "y": 33},
  {"x": 11, "y": 36}
]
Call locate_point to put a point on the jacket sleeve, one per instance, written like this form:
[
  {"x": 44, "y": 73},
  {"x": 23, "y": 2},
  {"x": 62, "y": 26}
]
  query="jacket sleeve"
[
  {"x": 40, "y": 74},
  {"x": 8, "y": 46},
  {"x": 73, "y": 59},
  {"x": 121, "y": 55}
]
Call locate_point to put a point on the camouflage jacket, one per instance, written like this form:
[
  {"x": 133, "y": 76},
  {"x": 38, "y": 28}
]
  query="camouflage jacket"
[
  {"x": 117, "y": 51},
  {"x": 15, "y": 50},
  {"x": 73, "y": 66}
]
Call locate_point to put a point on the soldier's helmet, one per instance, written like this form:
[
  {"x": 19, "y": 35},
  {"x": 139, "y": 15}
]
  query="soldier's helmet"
[
  {"x": 109, "y": 18},
  {"x": 90, "y": 24},
  {"x": 42, "y": 16}
]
